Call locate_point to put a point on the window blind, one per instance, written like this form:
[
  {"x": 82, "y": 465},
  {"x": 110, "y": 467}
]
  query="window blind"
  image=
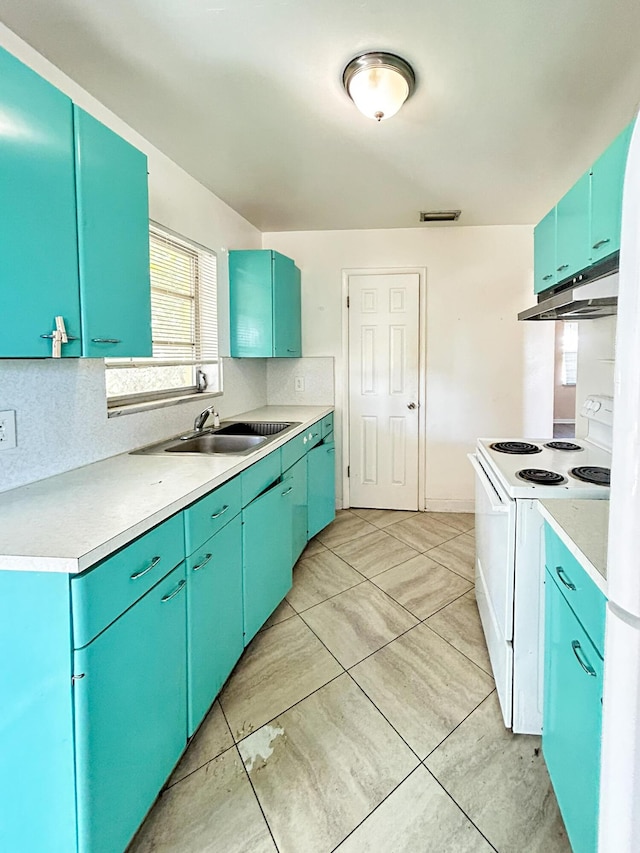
[{"x": 569, "y": 353}]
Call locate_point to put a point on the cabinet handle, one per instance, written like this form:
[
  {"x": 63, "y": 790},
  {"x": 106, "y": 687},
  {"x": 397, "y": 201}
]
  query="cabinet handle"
[
  {"x": 286, "y": 492},
  {"x": 154, "y": 562},
  {"x": 563, "y": 267},
  {"x": 291, "y": 350},
  {"x": 173, "y": 594},
  {"x": 547, "y": 277},
  {"x": 207, "y": 557},
  {"x": 601, "y": 243},
  {"x": 106, "y": 340},
  {"x": 52, "y": 335},
  {"x": 582, "y": 658},
  {"x": 222, "y": 512},
  {"x": 569, "y": 585},
  {"x": 75, "y": 678},
  {"x": 331, "y": 450},
  {"x": 315, "y": 434}
]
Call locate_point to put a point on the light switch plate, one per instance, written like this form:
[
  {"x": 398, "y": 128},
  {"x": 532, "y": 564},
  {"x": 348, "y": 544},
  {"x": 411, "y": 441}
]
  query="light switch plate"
[
  {"x": 7, "y": 429},
  {"x": 298, "y": 383}
]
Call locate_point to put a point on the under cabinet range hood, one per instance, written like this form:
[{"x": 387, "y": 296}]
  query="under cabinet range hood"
[{"x": 582, "y": 300}]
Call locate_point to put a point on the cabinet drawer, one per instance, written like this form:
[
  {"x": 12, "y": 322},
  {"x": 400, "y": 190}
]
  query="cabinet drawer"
[
  {"x": 210, "y": 514},
  {"x": 297, "y": 447},
  {"x": 260, "y": 476},
  {"x": 101, "y": 594},
  {"x": 580, "y": 592},
  {"x": 327, "y": 425}
]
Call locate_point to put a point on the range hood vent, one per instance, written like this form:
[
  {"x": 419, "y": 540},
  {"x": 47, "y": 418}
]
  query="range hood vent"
[{"x": 586, "y": 299}]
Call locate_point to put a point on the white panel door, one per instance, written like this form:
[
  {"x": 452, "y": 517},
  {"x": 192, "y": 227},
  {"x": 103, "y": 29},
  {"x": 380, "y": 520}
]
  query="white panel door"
[{"x": 383, "y": 390}]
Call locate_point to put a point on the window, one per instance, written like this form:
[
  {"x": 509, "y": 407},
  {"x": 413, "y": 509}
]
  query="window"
[
  {"x": 569, "y": 353},
  {"x": 184, "y": 327}
]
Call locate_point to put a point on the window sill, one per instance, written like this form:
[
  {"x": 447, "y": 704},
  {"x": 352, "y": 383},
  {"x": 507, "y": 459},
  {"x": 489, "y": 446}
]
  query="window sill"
[{"x": 134, "y": 408}]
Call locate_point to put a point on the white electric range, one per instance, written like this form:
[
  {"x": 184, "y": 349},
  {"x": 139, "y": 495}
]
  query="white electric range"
[{"x": 511, "y": 475}]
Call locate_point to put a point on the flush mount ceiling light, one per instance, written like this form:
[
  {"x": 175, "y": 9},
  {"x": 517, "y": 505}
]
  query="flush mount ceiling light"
[{"x": 378, "y": 83}]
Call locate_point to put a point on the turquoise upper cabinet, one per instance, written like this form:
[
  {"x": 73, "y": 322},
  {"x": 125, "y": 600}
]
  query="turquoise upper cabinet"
[
  {"x": 130, "y": 715},
  {"x": 38, "y": 245},
  {"x": 606, "y": 197},
  {"x": 544, "y": 252},
  {"x": 113, "y": 241},
  {"x": 264, "y": 302},
  {"x": 572, "y": 229}
]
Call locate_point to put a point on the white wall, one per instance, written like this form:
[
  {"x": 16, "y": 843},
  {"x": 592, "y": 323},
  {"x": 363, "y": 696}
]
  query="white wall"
[
  {"x": 596, "y": 354},
  {"x": 61, "y": 412},
  {"x": 487, "y": 374}
]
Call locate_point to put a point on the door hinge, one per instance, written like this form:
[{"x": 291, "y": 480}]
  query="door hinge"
[
  {"x": 348, "y": 302},
  {"x": 348, "y": 470}
]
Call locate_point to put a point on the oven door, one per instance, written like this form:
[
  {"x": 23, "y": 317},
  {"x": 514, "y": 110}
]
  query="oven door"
[{"x": 495, "y": 570}]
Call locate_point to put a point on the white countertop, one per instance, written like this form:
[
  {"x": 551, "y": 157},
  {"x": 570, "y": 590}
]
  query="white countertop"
[
  {"x": 582, "y": 526},
  {"x": 69, "y": 522}
]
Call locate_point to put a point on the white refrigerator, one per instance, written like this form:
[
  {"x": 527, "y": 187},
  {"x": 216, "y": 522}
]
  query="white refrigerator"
[{"x": 620, "y": 780}]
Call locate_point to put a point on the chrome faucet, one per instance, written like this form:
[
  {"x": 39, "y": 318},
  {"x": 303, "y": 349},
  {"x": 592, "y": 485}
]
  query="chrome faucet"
[{"x": 201, "y": 419}]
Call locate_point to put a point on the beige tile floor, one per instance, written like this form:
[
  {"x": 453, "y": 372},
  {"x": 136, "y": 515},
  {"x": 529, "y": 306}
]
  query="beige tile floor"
[{"x": 363, "y": 717}]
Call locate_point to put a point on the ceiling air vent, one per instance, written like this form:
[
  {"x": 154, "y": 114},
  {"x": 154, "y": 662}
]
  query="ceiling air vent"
[{"x": 439, "y": 215}]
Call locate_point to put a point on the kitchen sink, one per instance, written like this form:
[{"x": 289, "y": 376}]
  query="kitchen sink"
[{"x": 234, "y": 438}]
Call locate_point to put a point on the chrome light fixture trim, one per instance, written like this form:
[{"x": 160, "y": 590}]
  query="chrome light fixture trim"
[{"x": 378, "y": 83}]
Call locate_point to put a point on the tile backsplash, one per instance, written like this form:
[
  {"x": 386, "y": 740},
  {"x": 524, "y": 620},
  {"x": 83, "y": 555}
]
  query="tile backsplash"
[{"x": 317, "y": 375}]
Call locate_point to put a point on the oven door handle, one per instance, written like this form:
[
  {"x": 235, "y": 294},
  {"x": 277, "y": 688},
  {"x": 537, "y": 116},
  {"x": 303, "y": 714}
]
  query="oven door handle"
[{"x": 494, "y": 498}]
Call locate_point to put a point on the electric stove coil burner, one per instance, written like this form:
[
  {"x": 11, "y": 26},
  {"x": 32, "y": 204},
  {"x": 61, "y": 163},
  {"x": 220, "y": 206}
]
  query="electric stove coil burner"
[
  {"x": 563, "y": 445},
  {"x": 515, "y": 447},
  {"x": 592, "y": 474},
  {"x": 540, "y": 477}
]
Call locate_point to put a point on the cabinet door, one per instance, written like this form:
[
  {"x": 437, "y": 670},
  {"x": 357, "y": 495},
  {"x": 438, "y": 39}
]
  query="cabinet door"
[
  {"x": 286, "y": 308},
  {"x": 321, "y": 482},
  {"x": 572, "y": 229},
  {"x": 298, "y": 474},
  {"x": 130, "y": 715},
  {"x": 544, "y": 253},
  {"x": 113, "y": 239},
  {"x": 266, "y": 555},
  {"x": 572, "y": 720},
  {"x": 607, "y": 179},
  {"x": 38, "y": 243},
  {"x": 214, "y": 617},
  {"x": 251, "y": 303}
]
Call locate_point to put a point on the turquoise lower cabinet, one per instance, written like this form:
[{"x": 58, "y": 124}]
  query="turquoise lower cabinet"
[
  {"x": 299, "y": 507},
  {"x": 38, "y": 242},
  {"x": 266, "y": 554},
  {"x": 113, "y": 242},
  {"x": 214, "y": 617},
  {"x": 130, "y": 715},
  {"x": 37, "y": 775},
  {"x": 572, "y": 720},
  {"x": 321, "y": 486}
]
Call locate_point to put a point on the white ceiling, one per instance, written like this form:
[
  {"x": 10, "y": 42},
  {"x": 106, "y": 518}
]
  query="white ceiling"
[{"x": 514, "y": 99}]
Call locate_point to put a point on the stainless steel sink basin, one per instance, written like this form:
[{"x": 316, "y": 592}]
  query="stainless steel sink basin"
[
  {"x": 216, "y": 443},
  {"x": 235, "y": 438}
]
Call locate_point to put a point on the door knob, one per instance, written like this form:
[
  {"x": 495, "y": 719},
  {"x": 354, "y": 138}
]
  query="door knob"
[{"x": 411, "y": 405}]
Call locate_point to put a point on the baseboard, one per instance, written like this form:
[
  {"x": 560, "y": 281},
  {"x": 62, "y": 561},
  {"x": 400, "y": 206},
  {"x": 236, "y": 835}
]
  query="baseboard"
[{"x": 454, "y": 505}]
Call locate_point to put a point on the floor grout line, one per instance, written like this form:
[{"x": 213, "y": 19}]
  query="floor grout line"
[
  {"x": 444, "y": 739},
  {"x": 255, "y": 794}
]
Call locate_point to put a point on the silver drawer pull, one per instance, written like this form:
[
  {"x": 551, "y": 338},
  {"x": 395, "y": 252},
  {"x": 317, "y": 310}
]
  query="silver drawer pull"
[
  {"x": 291, "y": 350},
  {"x": 173, "y": 594},
  {"x": 222, "y": 512},
  {"x": 154, "y": 562},
  {"x": 547, "y": 277},
  {"x": 75, "y": 678},
  {"x": 568, "y": 583},
  {"x": 331, "y": 450},
  {"x": 563, "y": 267},
  {"x": 106, "y": 340},
  {"x": 601, "y": 243},
  {"x": 582, "y": 658},
  {"x": 201, "y": 565},
  {"x": 286, "y": 492}
]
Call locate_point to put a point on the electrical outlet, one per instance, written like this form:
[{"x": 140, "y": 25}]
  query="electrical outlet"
[
  {"x": 298, "y": 383},
  {"x": 7, "y": 429}
]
